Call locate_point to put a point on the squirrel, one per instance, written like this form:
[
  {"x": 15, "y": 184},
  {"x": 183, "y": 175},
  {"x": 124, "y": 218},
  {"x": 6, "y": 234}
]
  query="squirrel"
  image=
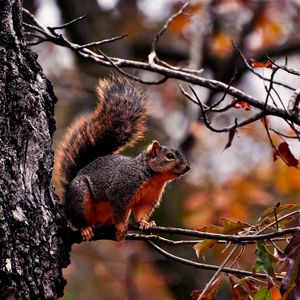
[{"x": 100, "y": 186}]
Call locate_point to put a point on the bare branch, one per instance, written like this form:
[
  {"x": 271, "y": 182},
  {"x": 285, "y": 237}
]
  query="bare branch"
[
  {"x": 102, "y": 42},
  {"x": 224, "y": 237},
  {"x": 33, "y": 19},
  {"x": 167, "y": 72},
  {"x": 225, "y": 129},
  {"x": 285, "y": 68},
  {"x": 249, "y": 67},
  {"x": 68, "y": 23},
  {"x": 164, "y": 28},
  {"x": 206, "y": 266},
  {"x": 165, "y": 78},
  {"x": 294, "y": 101}
]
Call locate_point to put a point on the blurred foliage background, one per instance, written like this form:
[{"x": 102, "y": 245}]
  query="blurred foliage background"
[{"x": 237, "y": 183}]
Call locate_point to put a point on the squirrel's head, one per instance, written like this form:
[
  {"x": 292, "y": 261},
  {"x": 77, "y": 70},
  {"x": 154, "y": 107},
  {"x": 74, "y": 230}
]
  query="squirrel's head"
[{"x": 165, "y": 160}]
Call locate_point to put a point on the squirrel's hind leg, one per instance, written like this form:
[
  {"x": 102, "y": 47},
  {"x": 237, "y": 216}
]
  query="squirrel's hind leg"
[{"x": 80, "y": 207}]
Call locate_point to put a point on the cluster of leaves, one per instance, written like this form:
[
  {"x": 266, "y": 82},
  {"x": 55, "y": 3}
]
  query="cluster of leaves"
[{"x": 269, "y": 257}]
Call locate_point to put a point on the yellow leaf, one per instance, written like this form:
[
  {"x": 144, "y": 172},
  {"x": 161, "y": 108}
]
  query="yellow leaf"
[
  {"x": 229, "y": 227},
  {"x": 270, "y": 210}
]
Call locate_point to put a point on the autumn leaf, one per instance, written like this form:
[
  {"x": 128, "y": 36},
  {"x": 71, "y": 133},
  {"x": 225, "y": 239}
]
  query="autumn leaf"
[
  {"x": 231, "y": 135},
  {"x": 229, "y": 227},
  {"x": 250, "y": 283},
  {"x": 256, "y": 64},
  {"x": 211, "y": 292},
  {"x": 201, "y": 247},
  {"x": 275, "y": 293},
  {"x": 243, "y": 105},
  {"x": 270, "y": 210},
  {"x": 265, "y": 259},
  {"x": 239, "y": 291},
  {"x": 287, "y": 156}
]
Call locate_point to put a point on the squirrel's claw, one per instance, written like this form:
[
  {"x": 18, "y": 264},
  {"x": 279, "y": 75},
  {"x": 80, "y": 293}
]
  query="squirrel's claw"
[
  {"x": 120, "y": 235},
  {"x": 121, "y": 232},
  {"x": 87, "y": 233},
  {"x": 145, "y": 225}
]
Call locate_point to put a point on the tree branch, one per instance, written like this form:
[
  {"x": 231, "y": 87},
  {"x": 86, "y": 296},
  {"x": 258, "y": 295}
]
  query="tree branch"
[{"x": 167, "y": 71}]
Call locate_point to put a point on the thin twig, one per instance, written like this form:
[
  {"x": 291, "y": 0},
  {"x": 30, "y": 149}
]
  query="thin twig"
[
  {"x": 225, "y": 93},
  {"x": 33, "y": 19},
  {"x": 170, "y": 73},
  {"x": 131, "y": 76},
  {"x": 165, "y": 27},
  {"x": 249, "y": 67},
  {"x": 285, "y": 68},
  {"x": 224, "y": 237},
  {"x": 279, "y": 219},
  {"x": 68, "y": 23},
  {"x": 214, "y": 277},
  {"x": 206, "y": 266},
  {"x": 102, "y": 42},
  {"x": 237, "y": 124}
]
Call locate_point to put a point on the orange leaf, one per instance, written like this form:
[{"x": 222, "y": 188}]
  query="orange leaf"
[
  {"x": 270, "y": 210},
  {"x": 275, "y": 293},
  {"x": 229, "y": 227},
  {"x": 256, "y": 64},
  {"x": 211, "y": 292},
  {"x": 242, "y": 104},
  {"x": 286, "y": 155},
  {"x": 239, "y": 291},
  {"x": 266, "y": 121}
]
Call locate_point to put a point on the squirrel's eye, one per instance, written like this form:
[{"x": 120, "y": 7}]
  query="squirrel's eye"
[{"x": 170, "y": 155}]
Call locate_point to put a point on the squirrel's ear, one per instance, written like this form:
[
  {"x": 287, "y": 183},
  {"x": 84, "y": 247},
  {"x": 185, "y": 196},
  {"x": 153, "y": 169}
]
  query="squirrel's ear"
[{"x": 153, "y": 149}]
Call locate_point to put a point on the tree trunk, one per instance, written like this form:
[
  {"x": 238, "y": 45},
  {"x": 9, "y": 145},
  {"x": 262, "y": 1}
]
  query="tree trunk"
[{"x": 32, "y": 251}]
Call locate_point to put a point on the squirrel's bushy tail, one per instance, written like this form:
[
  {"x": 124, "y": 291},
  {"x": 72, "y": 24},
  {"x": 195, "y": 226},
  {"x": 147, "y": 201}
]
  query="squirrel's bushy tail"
[{"x": 117, "y": 122}]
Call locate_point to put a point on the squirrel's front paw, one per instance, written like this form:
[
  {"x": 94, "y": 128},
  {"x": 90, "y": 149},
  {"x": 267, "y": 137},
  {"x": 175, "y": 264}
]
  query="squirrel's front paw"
[
  {"x": 87, "y": 233},
  {"x": 145, "y": 225}
]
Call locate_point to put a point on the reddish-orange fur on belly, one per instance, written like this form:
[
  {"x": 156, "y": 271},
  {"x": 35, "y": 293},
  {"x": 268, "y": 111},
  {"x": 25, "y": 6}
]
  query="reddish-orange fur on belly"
[
  {"x": 97, "y": 212},
  {"x": 148, "y": 196},
  {"x": 141, "y": 204},
  {"x": 104, "y": 213}
]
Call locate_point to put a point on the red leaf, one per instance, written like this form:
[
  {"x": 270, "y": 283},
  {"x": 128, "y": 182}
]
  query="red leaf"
[
  {"x": 286, "y": 155},
  {"x": 258, "y": 64},
  {"x": 242, "y": 104}
]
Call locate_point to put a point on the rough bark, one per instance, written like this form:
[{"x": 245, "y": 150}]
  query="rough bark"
[{"x": 32, "y": 253}]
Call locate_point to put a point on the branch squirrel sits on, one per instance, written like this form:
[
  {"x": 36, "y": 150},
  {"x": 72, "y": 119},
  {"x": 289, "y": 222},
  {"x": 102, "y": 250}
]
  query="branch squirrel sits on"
[{"x": 98, "y": 185}]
